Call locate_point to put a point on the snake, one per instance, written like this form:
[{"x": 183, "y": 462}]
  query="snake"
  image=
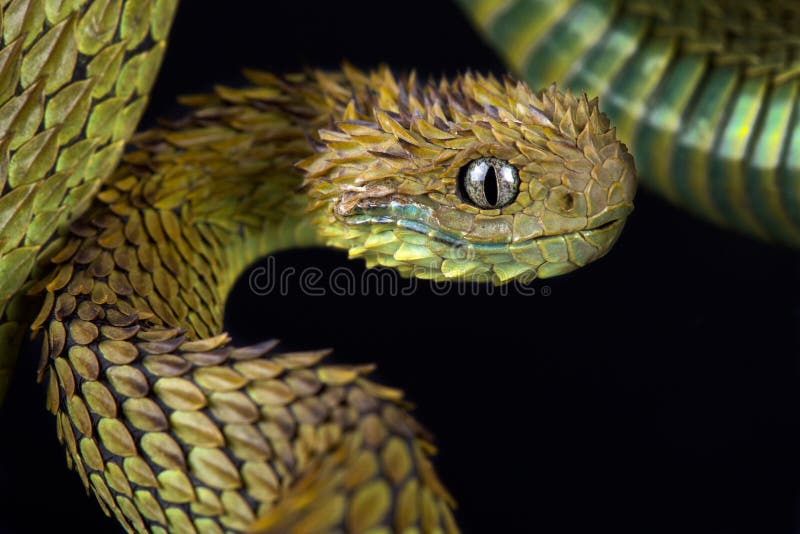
[{"x": 129, "y": 243}]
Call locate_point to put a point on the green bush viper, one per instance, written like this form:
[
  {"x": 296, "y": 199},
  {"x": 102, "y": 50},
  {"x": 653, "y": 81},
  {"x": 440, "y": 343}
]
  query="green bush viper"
[{"x": 169, "y": 424}]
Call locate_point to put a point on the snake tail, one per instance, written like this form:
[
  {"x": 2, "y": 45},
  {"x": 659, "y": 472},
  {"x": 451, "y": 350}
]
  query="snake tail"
[{"x": 705, "y": 94}]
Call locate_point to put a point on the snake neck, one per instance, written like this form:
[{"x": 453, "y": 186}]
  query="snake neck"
[
  {"x": 228, "y": 177},
  {"x": 188, "y": 210}
]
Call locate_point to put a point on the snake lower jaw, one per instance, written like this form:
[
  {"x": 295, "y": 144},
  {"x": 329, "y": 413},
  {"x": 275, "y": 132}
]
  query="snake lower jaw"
[
  {"x": 551, "y": 256},
  {"x": 417, "y": 247}
]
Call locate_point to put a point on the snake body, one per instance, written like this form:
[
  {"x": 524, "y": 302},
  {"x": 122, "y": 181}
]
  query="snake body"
[
  {"x": 192, "y": 432},
  {"x": 170, "y": 424},
  {"x": 705, "y": 94}
]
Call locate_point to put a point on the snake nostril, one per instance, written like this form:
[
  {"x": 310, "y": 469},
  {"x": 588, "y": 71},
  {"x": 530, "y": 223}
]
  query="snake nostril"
[{"x": 567, "y": 201}]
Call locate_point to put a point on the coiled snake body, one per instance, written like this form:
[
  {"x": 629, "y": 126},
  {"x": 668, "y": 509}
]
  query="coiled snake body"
[{"x": 167, "y": 422}]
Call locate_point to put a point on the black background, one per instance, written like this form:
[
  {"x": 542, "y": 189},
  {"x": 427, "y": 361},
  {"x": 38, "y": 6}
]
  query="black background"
[{"x": 654, "y": 391}]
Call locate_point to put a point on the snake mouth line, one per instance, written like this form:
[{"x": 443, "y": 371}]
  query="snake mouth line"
[
  {"x": 420, "y": 220},
  {"x": 605, "y": 226}
]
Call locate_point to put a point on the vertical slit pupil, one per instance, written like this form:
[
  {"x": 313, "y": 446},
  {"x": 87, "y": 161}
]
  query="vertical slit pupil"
[{"x": 490, "y": 186}]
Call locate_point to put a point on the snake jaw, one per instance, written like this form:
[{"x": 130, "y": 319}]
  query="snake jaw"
[{"x": 407, "y": 236}]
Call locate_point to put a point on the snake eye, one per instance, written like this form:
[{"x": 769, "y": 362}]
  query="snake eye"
[{"x": 489, "y": 183}]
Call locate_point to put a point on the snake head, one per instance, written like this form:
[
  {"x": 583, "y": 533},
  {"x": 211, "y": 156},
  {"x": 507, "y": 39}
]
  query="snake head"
[{"x": 470, "y": 178}]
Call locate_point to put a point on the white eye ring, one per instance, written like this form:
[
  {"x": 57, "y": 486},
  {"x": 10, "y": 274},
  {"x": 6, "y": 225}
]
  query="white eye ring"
[{"x": 490, "y": 183}]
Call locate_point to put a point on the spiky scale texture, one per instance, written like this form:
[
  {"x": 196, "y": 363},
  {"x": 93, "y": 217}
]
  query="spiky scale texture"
[
  {"x": 74, "y": 80},
  {"x": 168, "y": 424}
]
